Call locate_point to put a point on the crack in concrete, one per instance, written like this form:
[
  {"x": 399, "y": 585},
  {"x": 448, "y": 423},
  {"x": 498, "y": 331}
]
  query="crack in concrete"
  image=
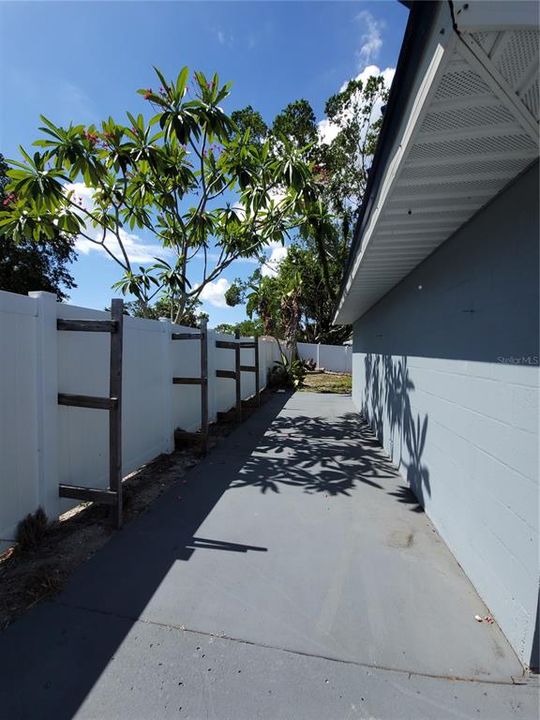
[{"x": 368, "y": 666}]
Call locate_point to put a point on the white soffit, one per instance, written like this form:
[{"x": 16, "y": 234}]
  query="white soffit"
[{"x": 471, "y": 127}]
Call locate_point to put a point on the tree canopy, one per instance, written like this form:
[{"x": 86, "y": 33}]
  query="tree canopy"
[
  {"x": 206, "y": 191},
  {"x": 252, "y": 121},
  {"x": 246, "y": 328},
  {"x": 297, "y": 302},
  {"x": 163, "y": 308},
  {"x": 298, "y": 123},
  {"x": 33, "y": 264},
  {"x": 207, "y": 188}
]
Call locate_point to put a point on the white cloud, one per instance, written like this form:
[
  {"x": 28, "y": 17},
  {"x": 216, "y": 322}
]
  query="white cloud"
[
  {"x": 224, "y": 38},
  {"x": 278, "y": 253},
  {"x": 329, "y": 130},
  {"x": 81, "y": 193},
  {"x": 371, "y": 38},
  {"x": 368, "y": 71},
  {"x": 137, "y": 250},
  {"x": 214, "y": 293},
  {"x": 245, "y": 260}
]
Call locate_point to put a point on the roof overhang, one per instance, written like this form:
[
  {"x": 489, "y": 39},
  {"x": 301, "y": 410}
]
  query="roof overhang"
[{"x": 461, "y": 123}]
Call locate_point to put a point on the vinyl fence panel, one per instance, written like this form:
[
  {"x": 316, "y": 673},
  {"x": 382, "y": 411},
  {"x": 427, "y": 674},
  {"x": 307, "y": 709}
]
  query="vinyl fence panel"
[{"x": 44, "y": 444}]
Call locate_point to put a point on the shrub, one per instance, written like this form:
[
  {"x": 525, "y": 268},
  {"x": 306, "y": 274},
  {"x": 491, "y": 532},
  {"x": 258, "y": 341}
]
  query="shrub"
[
  {"x": 287, "y": 374},
  {"x": 31, "y": 529}
]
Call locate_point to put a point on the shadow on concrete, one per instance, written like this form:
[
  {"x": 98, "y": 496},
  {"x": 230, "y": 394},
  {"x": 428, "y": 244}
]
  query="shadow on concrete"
[
  {"x": 51, "y": 658},
  {"x": 406, "y": 496},
  {"x": 206, "y": 544},
  {"x": 318, "y": 455},
  {"x": 535, "y": 652},
  {"x": 313, "y": 584}
]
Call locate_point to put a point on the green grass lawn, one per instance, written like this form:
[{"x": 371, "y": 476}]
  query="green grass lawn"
[{"x": 327, "y": 383}]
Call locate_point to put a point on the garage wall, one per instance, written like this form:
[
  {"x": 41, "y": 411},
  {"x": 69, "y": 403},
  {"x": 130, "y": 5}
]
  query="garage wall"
[{"x": 445, "y": 368}]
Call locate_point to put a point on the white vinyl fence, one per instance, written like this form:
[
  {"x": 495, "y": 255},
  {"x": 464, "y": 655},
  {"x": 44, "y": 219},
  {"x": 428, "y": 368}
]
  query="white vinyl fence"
[
  {"x": 44, "y": 444},
  {"x": 336, "y": 358}
]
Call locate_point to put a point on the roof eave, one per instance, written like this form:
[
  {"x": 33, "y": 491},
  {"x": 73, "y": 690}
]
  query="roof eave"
[
  {"x": 421, "y": 19},
  {"x": 444, "y": 152}
]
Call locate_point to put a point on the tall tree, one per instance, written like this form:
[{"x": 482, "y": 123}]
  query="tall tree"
[
  {"x": 33, "y": 264},
  {"x": 294, "y": 304},
  {"x": 298, "y": 123},
  {"x": 355, "y": 115},
  {"x": 317, "y": 255},
  {"x": 246, "y": 328},
  {"x": 251, "y": 120},
  {"x": 342, "y": 159}
]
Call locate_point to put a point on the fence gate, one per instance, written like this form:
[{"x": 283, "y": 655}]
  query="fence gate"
[{"x": 113, "y": 403}]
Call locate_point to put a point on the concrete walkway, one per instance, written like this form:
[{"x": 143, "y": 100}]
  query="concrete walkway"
[{"x": 293, "y": 576}]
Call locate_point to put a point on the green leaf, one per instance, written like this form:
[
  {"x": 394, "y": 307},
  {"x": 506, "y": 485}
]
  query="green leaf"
[
  {"x": 161, "y": 78},
  {"x": 181, "y": 82}
]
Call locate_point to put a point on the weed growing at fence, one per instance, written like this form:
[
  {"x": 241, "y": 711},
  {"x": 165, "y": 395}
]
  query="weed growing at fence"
[{"x": 31, "y": 530}]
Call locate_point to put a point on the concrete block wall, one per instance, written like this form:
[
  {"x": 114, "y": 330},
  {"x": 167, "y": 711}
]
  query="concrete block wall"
[{"x": 445, "y": 368}]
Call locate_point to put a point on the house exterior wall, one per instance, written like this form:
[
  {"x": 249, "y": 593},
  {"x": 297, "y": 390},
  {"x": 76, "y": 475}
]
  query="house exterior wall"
[{"x": 445, "y": 368}]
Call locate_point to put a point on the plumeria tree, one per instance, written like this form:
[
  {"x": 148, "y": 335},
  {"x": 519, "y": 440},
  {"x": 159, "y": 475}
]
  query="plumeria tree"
[
  {"x": 33, "y": 264},
  {"x": 203, "y": 188}
]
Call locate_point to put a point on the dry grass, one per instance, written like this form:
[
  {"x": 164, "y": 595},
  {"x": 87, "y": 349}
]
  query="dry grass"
[{"x": 327, "y": 382}]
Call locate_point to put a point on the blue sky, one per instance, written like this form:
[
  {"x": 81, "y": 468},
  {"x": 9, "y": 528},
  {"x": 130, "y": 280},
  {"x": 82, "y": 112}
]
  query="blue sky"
[{"x": 83, "y": 61}]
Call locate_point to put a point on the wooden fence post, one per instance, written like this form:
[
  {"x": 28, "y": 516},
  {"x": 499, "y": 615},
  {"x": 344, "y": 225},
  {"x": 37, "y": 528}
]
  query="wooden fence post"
[
  {"x": 257, "y": 371},
  {"x": 112, "y": 403},
  {"x": 238, "y": 376},
  {"x": 204, "y": 386},
  {"x": 115, "y": 413}
]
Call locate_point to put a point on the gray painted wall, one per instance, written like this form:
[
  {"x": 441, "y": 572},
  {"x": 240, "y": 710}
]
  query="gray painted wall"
[{"x": 445, "y": 367}]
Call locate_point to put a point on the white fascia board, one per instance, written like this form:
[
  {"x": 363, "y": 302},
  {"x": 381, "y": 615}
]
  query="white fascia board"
[
  {"x": 482, "y": 16},
  {"x": 439, "y": 50}
]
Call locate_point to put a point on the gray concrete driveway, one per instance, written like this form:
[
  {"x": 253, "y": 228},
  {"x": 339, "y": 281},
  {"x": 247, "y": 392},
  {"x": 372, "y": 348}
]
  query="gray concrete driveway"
[{"x": 293, "y": 576}]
